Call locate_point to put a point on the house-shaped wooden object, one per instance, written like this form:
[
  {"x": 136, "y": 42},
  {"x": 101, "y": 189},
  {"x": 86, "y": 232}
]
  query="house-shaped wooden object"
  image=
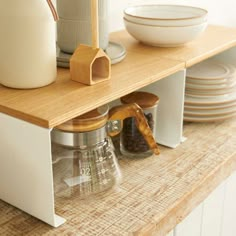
[{"x": 90, "y": 65}]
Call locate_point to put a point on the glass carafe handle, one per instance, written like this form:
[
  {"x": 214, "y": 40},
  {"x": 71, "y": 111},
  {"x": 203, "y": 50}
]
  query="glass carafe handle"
[{"x": 133, "y": 110}]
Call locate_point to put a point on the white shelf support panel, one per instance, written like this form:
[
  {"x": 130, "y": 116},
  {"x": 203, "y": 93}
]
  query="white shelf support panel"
[
  {"x": 26, "y": 177},
  {"x": 170, "y": 90}
]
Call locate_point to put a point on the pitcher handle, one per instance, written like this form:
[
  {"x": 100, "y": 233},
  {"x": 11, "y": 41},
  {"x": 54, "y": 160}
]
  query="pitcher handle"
[
  {"x": 53, "y": 10},
  {"x": 133, "y": 110}
]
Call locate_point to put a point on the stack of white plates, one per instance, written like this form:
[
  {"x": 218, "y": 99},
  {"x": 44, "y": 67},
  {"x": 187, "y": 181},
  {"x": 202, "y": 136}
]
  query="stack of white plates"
[
  {"x": 210, "y": 92},
  {"x": 115, "y": 51}
]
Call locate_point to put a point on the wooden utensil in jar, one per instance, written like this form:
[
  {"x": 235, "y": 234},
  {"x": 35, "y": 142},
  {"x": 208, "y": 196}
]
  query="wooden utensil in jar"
[{"x": 90, "y": 65}]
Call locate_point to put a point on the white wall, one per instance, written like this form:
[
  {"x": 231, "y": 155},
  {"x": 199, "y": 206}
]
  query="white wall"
[{"x": 221, "y": 12}]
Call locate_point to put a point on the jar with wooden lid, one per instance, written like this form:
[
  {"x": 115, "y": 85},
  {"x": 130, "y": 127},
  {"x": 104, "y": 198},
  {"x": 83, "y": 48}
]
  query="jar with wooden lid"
[{"x": 132, "y": 142}]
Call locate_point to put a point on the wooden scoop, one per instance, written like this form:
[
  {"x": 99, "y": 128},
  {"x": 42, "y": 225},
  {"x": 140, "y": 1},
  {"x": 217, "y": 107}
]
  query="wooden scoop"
[{"x": 90, "y": 65}]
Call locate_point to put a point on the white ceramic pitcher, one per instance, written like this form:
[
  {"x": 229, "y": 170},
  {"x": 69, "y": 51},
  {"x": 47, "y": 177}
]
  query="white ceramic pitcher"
[{"x": 27, "y": 43}]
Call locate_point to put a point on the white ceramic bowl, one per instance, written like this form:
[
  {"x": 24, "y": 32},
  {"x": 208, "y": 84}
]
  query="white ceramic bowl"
[
  {"x": 166, "y": 15},
  {"x": 164, "y": 36}
]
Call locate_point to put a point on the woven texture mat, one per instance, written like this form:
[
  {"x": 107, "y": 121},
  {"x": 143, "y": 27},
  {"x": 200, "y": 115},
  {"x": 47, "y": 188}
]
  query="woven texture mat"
[{"x": 153, "y": 189}]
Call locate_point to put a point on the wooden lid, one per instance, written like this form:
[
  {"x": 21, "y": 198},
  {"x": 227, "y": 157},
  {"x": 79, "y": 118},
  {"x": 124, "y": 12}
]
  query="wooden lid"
[
  {"x": 143, "y": 99},
  {"x": 89, "y": 121}
]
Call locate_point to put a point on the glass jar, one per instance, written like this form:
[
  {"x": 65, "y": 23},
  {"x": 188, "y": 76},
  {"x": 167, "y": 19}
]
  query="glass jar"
[
  {"x": 132, "y": 142},
  {"x": 84, "y": 161},
  {"x": 81, "y": 172}
]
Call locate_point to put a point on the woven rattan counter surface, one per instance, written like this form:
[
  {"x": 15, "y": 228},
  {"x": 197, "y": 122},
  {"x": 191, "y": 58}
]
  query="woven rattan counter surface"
[{"x": 156, "y": 193}]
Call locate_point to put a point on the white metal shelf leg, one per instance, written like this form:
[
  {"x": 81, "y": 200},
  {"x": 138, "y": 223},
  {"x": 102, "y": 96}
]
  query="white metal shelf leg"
[
  {"x": 170, "y": 90},
  {"x": 26, "y": 177}
]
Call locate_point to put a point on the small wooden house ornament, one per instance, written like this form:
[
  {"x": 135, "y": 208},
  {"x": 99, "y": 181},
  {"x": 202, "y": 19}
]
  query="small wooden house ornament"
[{"x": 90, "y": 65}]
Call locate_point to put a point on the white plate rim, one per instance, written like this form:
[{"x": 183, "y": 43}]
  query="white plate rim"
[
  {"x": 209, "y": 63},
  {"x": 210, "y": 82},
  {"x": 198, "y": 113},
  {"x": 212, "y": 93},
  {"x": 209, "y": 107},
  {"x": 210, "y": 87},
  {"x": 216, "y": 100},
  {"x": 208, "y": 119}
]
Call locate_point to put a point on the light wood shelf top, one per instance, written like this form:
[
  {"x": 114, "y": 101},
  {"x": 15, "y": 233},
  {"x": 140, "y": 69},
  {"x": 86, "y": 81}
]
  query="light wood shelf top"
[
  {"x": 65, "y": 99},
  {"x": 156, "y": 192},
  {"x": 214, "y": 40}
]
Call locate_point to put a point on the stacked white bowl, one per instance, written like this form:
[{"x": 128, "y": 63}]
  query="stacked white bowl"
[{"x": 165, "y": 25}]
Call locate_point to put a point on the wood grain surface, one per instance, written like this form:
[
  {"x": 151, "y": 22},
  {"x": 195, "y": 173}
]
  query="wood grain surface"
[
  {"x": 213, "y": 41},
  {"x": 65, "y": 99}
]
